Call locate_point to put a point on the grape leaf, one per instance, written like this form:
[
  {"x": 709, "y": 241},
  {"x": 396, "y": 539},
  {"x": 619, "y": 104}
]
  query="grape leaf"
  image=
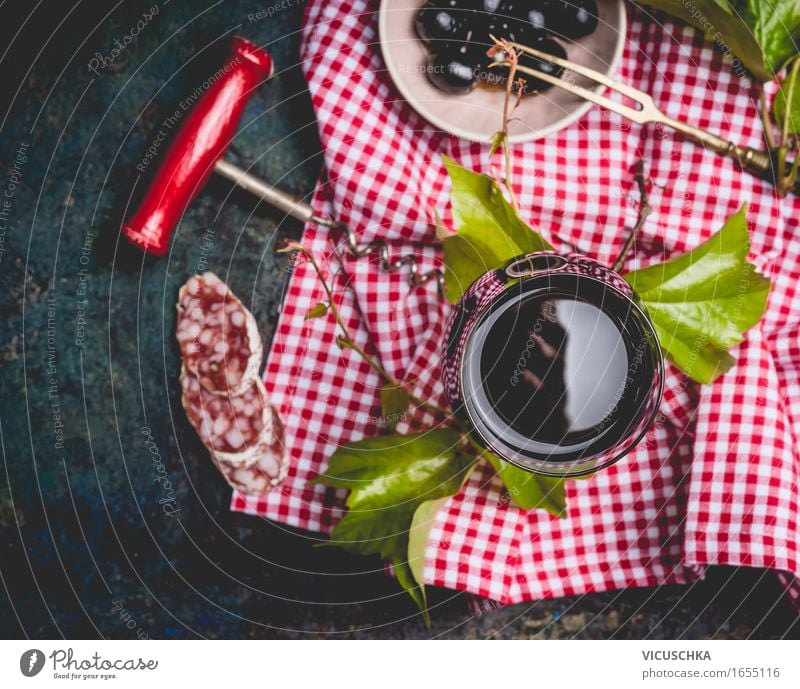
[
  {"x": 786, "y": 106},
  {"x": 418, "y": 535},
  {"x": 529, "y": 491},
  {"x": 720, "y": 23},
  {"x": 442, "y": 231},
  {"x": 394, "y": 402},
  {"x": 723, "y": 5},
  {"x": 776, "y": 27},
  {"x": 702, "y": 301},
  {"x": 489, "y": 231},
  {"x": 390, "y": 478},
  {"x": 759, "y": 32}
]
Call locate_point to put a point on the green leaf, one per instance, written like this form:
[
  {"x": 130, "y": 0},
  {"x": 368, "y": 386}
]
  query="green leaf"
[
  {"x": 478, "y": 201},
  {"x": 464, "y": 262},
  {"x": 776, "y": 27},
  {"x": 758, "y": 32},
  {"x": 498, "y": 140},
  {"x": 390, "y": 478},
  {"x": 786, "y": 106},
  {"x": 394, "y": 402},
  {"x": 442, "y": 232},
  {"x": 723, "y": 5},
  {"x": 317, "y": 310},
  {"x": 418, "y": 534},
  {"x": 528, "y": 490},
  {"x": 702, "y": 301},
  {"x": 489, "y": 231}
]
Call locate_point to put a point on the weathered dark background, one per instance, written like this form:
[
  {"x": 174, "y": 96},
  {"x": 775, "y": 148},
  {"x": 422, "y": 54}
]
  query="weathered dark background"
[{"x": 85, "y": 547}]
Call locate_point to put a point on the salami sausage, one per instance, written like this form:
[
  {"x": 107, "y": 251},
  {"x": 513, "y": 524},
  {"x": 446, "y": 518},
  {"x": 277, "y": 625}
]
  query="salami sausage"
[
  {"x": 267, "y": 471},
  {"x": 243, "y": 433},
  {"x": 217, "y": 335},
  {"x": 227, "y": 424},
  {"x": 227, "y": 404}
]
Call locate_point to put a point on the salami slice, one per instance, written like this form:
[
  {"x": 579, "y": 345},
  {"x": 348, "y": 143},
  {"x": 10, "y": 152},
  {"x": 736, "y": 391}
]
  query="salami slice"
[
  {"x": 267, "y": 471},
  {"x": 243, "y": 433},
  {"x": 217, "y": 335},
  {"x": 227, "y": 424}
]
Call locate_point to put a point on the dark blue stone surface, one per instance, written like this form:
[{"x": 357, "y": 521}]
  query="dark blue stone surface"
[{"x": 89, "y": 359}]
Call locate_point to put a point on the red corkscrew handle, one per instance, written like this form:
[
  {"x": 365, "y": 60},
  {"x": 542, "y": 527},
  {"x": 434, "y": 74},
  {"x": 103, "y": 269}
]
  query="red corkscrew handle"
[{"x": 203, "y": 138}]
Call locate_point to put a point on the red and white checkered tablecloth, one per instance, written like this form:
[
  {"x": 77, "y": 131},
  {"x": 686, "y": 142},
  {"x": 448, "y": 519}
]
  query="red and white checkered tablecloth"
[{"x": 717, "y": 480}]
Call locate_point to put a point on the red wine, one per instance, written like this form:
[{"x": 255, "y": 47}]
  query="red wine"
[{"x": 558, "y": 370}]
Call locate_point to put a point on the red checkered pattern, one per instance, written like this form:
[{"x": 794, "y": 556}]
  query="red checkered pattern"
[{"x": 716, "y": 479}]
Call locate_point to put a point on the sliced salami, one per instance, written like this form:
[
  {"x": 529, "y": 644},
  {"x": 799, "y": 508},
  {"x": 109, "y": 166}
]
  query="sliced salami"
[
  {"x": 243, "y": 433},
  {"x": 267, "y": 471},
  {"x": 217, "y": 335},
  {"x": 227, "y": 424},
  {"x": 222, "y": 394}
]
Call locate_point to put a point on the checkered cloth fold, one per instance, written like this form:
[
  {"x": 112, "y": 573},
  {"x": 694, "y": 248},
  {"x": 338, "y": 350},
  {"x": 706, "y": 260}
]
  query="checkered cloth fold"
[{"x": 716, "y": 481}]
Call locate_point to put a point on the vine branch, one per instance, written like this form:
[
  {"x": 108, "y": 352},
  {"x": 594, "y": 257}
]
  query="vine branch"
[
  {"x": 766, "y": 123},
  {"x": 645, "y": 209},
  {"x": 347, "y": 340},
  {"x": 510, "y": 58}
]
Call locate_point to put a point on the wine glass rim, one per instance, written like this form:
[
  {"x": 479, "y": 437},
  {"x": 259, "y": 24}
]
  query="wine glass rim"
[{"x": 571, "y": 468}]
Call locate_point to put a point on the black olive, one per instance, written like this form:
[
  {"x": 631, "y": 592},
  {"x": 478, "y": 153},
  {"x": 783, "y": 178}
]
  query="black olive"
[
  {"x": 474, "y": 50},
  {"x": 478, "y": 19},
  {"x": 498, "y": 75},
  {"x": 509, "y": 28},
  {"x": 510, "y": 8},
  {"x": 440, "y": 20},
  {"x": 449, "y": 71},
  {"x": 537, "y": 19},
  {"x": 546, "y": 45},
  {"x": 534, "y": 14},
  {"x": 503, "y": 21},
  {"x": 570, "y": 18},
  {"x": 488, "y": 6},
  {"x": 474, "y": 45}
]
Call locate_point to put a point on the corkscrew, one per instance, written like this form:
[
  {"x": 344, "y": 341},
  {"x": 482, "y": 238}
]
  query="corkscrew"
[{"x": 198, "y": 149}]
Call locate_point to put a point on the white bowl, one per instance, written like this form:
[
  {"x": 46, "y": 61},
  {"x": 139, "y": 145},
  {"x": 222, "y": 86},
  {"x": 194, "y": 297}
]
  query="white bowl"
[{"x": 478, "y": 115}]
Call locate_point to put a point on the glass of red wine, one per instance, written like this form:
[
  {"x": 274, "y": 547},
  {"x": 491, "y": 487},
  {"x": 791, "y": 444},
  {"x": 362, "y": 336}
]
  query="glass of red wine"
[{"x": 552, "y": 365}]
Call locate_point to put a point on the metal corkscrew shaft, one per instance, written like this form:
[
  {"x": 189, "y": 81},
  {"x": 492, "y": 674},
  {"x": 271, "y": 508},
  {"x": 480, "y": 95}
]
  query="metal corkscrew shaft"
[
  {"x": 305, "y": 213},
  {"x": 198, "y": 148}
]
